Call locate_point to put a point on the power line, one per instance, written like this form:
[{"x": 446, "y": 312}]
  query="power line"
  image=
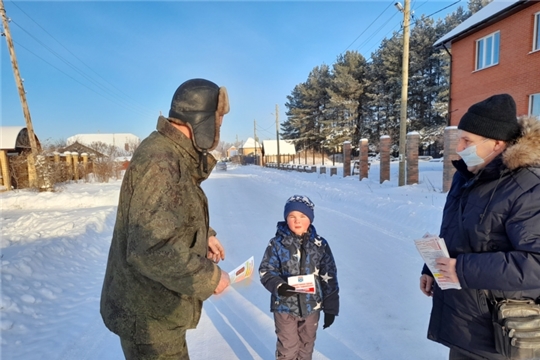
[
  {"x": 89, "y": 88},
  {"x": 118, "y": 94},
  {"x": 391, "y": 3},
  {"x": 75, "y": 68},
  {"x": 443, "y": 8},
  {"x": 367, "y": 40},
  {"x": 377, "y": 31}
]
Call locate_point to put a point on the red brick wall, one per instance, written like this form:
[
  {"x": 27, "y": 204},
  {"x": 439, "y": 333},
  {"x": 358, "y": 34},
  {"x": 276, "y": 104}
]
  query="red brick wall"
[{"x": 518, "y": 71}]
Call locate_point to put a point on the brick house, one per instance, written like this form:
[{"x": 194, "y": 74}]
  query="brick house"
[{"x": 496, "y": 50}]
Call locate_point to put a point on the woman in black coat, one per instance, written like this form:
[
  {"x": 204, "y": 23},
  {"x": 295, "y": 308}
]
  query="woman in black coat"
[{"x": 491, "y": 226}]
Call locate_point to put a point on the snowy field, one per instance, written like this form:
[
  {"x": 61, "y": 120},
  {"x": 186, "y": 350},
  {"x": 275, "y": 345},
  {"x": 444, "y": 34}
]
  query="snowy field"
[{"x": 55, "y": 245}]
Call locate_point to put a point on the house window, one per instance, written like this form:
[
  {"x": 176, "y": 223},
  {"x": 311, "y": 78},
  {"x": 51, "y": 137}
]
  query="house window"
[
  {"x": 536, "y": 35},
  {"x": 487, "y": 51},
  {"x": 534, "y": 105}
]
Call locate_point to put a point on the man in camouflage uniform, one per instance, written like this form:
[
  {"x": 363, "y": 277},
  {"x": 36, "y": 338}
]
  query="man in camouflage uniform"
[{"x": 163, "y": 255}]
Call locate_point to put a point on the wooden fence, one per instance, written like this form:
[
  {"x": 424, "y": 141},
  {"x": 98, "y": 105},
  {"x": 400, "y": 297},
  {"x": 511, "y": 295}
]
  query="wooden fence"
[{"x": 51, "y": 169}]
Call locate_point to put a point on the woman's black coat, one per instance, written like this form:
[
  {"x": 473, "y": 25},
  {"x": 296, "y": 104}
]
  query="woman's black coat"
[{"x": 497, "y": 247}]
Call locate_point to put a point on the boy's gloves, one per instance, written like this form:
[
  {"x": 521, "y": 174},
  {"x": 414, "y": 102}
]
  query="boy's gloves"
[
  {"x": 328, "y": 320},
  {"x": 286, "y": 290}
]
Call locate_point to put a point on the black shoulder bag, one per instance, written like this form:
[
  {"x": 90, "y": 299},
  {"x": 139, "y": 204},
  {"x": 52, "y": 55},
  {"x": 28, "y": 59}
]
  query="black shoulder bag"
[{"x": 516, "y": 325}]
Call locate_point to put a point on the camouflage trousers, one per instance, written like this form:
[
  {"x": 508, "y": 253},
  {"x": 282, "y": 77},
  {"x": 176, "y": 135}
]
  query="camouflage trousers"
[
  {"x": 171, "y": 350},
  {"x": 295, "y": 336}
]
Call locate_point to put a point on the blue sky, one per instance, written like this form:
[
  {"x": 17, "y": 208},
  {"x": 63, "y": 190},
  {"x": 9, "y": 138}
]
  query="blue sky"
[{"x": 111, "y": 67}]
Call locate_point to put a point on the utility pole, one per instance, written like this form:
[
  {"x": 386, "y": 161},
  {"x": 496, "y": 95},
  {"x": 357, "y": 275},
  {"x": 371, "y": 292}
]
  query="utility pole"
[
  {"x": 255, "y": 137},
  {"x": 277, "y": 136},
  {"x": 32, "y": 174},
  {"x": 404, "y": 90}
]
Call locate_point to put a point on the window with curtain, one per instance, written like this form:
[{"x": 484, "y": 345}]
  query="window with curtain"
[{"x": 487, "y": 51}]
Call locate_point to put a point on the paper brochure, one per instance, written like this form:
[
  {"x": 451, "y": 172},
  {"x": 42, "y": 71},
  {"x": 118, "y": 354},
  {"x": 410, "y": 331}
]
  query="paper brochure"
[
  {"x": 430, "y": 248},
  {"x": 242, "y": 272}
]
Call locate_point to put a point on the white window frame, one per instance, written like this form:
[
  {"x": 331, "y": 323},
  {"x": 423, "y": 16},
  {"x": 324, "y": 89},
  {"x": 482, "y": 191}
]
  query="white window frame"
[
  {"x": 534, "y": 99},
  {"x": 536, "y": 34},
  {"x": 483, "y": 59}
]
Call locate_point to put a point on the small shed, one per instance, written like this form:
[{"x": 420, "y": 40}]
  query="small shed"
[
  {"x": 14, "y": 142},
  {"x": 14, "y": 139}
]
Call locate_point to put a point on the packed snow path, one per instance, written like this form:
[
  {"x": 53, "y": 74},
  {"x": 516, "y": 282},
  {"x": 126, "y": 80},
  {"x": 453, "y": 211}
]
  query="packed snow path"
[{"x": 55, "y": 246}]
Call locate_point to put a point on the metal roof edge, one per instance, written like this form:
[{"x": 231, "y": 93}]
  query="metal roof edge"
[{"x": 478, "y": 20}]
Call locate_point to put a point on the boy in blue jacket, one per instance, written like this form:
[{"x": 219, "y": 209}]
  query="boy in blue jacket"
[{"x": 297, "y": 250}]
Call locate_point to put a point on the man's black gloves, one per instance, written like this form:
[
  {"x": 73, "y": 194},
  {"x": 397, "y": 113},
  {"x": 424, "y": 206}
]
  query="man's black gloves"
[
  {"x": 286, "y": 290},
  {"x": 328, "y": 320}
]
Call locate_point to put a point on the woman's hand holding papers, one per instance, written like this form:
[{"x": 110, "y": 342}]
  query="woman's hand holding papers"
[{"x": 447, "y": 267}]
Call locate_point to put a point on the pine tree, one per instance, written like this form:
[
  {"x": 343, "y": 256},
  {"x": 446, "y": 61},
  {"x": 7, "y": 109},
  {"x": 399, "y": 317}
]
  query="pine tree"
[
  {"x": 306, "y": 110},
  {"x": 346, "y": 97},
  {"x": 362, "y": 99},
  {"x": 475, "y": 5},
  {"x": 384, "y": 90}
]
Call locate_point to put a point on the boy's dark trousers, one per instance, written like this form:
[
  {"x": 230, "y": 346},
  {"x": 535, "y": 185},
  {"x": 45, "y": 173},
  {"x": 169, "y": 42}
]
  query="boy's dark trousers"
[{"x": 295, "y": 335}]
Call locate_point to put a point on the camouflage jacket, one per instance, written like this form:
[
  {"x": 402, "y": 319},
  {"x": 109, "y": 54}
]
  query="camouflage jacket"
[{"x": 157, "y": 273}]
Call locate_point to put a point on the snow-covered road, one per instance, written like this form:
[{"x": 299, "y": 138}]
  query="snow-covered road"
[{"x": 54, "y": 250}]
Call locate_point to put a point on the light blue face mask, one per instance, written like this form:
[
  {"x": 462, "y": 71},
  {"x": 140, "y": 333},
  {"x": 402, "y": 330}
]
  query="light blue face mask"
[{"x": 471, "y": 157}]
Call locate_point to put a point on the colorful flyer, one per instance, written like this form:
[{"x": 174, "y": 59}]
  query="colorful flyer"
[
  {"x": 243, "y": 271},
  {"x": 303, "y": 283}
]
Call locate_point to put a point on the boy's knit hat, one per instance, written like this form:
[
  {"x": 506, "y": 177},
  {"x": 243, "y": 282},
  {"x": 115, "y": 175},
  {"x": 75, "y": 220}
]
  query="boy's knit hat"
[
  {"x": 493, "y": 118},
  {"x": 300, "y": 203}
]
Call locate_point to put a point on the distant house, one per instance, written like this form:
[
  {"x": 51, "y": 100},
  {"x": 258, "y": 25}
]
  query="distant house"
[
  {"x": 250, "y": 147},
  {"x": 270, "y": 151},
  {"x": 80, "y": 149},
  {"x": 496, "y": 50},
  {"x": 124, "y": 141},
  {"x": 232, "y": 152}
]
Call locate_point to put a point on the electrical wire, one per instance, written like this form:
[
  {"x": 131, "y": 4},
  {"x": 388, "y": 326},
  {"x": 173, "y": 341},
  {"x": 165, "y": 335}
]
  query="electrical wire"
[
  {"x": 377, "y": 31},
  {"x": 443, "y": 8},
  {"x": 71, "y": 77},
  {"x": 69, "y": 51},
  {"x": 131, "y": 104},
  {"x": 391, "y": 3},
  {"x": 413, "y": 8}
]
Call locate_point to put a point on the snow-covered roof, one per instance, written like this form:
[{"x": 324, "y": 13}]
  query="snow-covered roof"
[
  {"x": 8, "y": 136},
  {"x": 119, "y": 139},
  {"x": 122, "y": 158},
  {"x": 251, "y": 143},
  {"x": 285, "y": 147},
  {"x": 494, "y": 8}
]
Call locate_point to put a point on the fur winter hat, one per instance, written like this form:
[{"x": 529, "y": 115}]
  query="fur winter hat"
[
  {"x": 493, "y": 118},
  {"x": 198, "y": 104},
  {"x": 300, "y": 203}
]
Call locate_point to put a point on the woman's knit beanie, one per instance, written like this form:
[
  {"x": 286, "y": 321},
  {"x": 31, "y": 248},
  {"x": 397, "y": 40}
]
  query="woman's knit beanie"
[{"x": 493, "y": 118}]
